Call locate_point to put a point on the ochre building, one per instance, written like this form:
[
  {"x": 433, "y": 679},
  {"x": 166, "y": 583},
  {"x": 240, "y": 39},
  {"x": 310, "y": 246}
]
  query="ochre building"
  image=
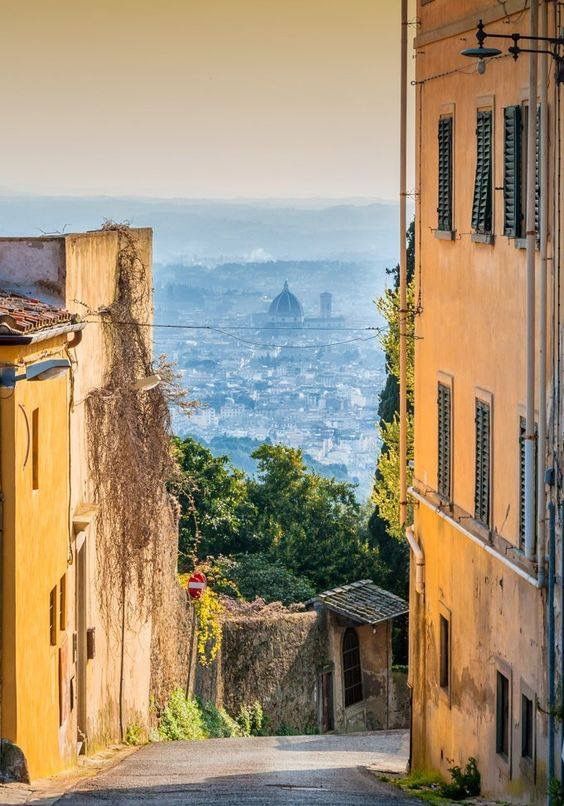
[{"x": 479, "y": 606}]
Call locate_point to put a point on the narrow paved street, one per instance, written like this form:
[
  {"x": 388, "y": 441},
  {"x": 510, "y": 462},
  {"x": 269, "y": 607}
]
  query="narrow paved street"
[{"x": 328, "y": 770}]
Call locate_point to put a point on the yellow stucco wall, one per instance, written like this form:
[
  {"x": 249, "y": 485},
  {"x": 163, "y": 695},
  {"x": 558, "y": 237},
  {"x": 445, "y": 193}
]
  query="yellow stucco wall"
[
  {"x": 35, "y": 554},
  {"x": 79, "y": 272},
  {"x": 471, "y": 329}
]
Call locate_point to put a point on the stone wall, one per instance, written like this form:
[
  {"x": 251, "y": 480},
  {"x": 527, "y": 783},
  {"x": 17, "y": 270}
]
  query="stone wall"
[{"x": 274, "y": 659}]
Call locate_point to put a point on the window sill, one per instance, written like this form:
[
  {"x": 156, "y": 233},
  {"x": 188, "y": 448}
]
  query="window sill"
[
  {"x": 445, "y": 234},
  {"x": 521, "y": 243},
  {"x": 483, "y": 237}
]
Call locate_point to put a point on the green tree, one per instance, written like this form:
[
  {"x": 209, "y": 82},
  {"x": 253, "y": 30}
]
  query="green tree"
[
  {"x": 385, "y": 493},
  {"x": 312, "y": 523},
  {"x": 216, "y": 514}
]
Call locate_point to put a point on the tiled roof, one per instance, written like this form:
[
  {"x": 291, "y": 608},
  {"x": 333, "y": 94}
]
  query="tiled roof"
[
  {"x": 364, "y": 602},
  {"x": 22, "y": 315}
]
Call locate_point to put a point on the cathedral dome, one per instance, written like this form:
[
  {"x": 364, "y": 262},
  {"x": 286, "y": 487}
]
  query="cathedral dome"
[{"x": 286, "y": 307}]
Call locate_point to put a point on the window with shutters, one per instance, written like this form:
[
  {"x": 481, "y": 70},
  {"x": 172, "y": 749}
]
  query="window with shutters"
[
  {"x": 444, "y": 415},
  {"x": 522, "y": 432},
  {"x": 444, "y": 659},
  {"x": 444, "y": 208},
  {"x": 483, "y": 462},
  {"x": 351, "y": 667},
  {"x": 482, "y": 204},
  {"x": 512, "y": 172},
  {"x": 515, "y": 151}
]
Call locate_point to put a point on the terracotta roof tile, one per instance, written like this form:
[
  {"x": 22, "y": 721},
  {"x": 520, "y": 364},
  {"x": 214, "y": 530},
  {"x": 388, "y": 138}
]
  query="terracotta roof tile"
[
  {"x": 363, "y": 602},
  {"x": 20, "y": 314}
]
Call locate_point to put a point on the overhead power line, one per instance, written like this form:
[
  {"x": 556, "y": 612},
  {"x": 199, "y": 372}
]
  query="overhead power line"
[{"x": 376, "y": 331}]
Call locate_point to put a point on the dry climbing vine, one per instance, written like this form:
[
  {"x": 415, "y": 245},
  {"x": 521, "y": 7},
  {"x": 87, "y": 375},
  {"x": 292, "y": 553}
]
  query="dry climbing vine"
[{"x": 129, "y": 434}]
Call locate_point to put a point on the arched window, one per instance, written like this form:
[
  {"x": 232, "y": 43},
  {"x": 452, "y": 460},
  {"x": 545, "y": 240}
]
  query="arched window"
[{"x": 351, "y": 667}]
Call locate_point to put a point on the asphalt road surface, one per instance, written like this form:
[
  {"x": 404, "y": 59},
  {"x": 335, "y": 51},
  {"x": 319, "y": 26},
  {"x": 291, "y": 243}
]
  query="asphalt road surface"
[{"x": 328, "y": 770}]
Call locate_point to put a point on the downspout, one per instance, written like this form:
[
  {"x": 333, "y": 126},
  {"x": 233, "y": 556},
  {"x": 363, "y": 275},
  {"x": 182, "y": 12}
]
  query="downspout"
[
  {"x": 543, "y": 201},
  {"x": 530, "y": 520},
  {"x": 550, "y": 641},
  {"x": 419, "y": 560},
  {"x": 403, "y": 276}
]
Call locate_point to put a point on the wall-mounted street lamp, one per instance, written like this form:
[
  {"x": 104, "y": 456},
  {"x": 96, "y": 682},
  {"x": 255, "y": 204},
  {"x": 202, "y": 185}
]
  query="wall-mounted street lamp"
[
  {"x": 481, "y": 52},
  {"x": 41, "y": 371}
]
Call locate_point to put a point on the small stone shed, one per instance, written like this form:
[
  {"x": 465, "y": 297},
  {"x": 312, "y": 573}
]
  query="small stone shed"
[
  {"x": 322, "y": 666},
  {"x": 357, "y": 688}
]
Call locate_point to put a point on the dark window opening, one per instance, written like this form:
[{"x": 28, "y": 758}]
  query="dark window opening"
[
  {"x": 483, "y": 457},
  {"x": 527, "y": 727},
  {"x": 444, "y": 207},
  {"x": 63, "y": 603},
  {"x": 35, "y": 449},
  {"x": 444, "y": 671},
  {"x": 351, "y": 667},
  {"x": 482, "y": 202},
  {"x": 502, "y": 715},
  {"x": 444, "y": 441},
  {"x": 53, "y": 617}
]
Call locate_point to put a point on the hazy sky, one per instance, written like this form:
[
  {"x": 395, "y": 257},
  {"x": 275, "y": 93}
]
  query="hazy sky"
[{"x": 200, "y": 98}]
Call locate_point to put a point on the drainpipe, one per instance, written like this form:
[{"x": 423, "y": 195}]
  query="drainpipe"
[
  {"x": 550, "y": 640},
  {"x": 419, "y": 560},
  {"x": 530, "y": 523},
  {"x": 403, "y": 276},
  {"x": 543, "y": 167},
  {"x": 561, "y": 640}
]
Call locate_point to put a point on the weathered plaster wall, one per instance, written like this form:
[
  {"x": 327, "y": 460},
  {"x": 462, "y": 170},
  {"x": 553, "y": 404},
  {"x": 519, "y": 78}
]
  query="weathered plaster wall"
[
  {"x": 383, "y": 706},
  {"x": 35, "y": 554},
  {"x": 470, "y": 330},
  {"x": 80, "y": 272}
]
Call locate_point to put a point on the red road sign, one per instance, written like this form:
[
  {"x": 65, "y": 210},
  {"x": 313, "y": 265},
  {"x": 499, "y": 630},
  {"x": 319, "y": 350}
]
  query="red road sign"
[{"x": 197, "y": 585}]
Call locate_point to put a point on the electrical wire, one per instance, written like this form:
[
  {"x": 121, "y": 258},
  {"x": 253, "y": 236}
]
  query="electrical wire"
[{"x": 377, "y": 332}]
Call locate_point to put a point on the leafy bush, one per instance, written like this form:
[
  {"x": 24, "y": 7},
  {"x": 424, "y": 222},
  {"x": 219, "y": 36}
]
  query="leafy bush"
[
  {"x": 135, "y": 735},
  {"x": 250, "y": 719},
  {"x": 464, "y": 784},
  {"x": 181, "y": 718},
  {"x": 217, "y": 722},
  {"x": 261, "y": 575}
]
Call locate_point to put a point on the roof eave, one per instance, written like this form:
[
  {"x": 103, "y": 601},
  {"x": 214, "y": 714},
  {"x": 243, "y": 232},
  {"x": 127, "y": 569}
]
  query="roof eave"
[{"x": 17, "y": 339}]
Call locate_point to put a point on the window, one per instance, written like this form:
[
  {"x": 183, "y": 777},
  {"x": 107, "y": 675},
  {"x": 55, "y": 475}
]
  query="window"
[
  {"x": 35, "y": 449},
  {"x": 515, "y": 149},
  {"x": 482, "y": 204},
  {"x": 351, "y": 667},
  {"x": 527, "y": 727},
  {"x": 522, "y": 433},
  {"x": 483, "y": 457},
  {"x": 444, "y": 441},
  {"x": 444, "y": 665},
  {"x": 444, "y": 208},
  {"x": 63, "y": 603},
  {"x": 512, "y": 172},
  {"x": 502, "y": 715},
  {"x": 53, "y": 617}
]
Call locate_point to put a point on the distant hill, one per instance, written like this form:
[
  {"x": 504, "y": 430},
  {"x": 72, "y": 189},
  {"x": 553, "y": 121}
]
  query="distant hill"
[{"x": 220, "y": 231}]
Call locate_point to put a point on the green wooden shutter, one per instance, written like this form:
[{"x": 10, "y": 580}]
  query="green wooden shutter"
[
  {"x": 444, "y": 441},
  {"x": 482, "y": 204},
  {"x": 482, "y": 469},
  {"x": 512, "y": 171},
  {"x": 444, "y": 208},
  {"x": 522, "y": 431}
]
